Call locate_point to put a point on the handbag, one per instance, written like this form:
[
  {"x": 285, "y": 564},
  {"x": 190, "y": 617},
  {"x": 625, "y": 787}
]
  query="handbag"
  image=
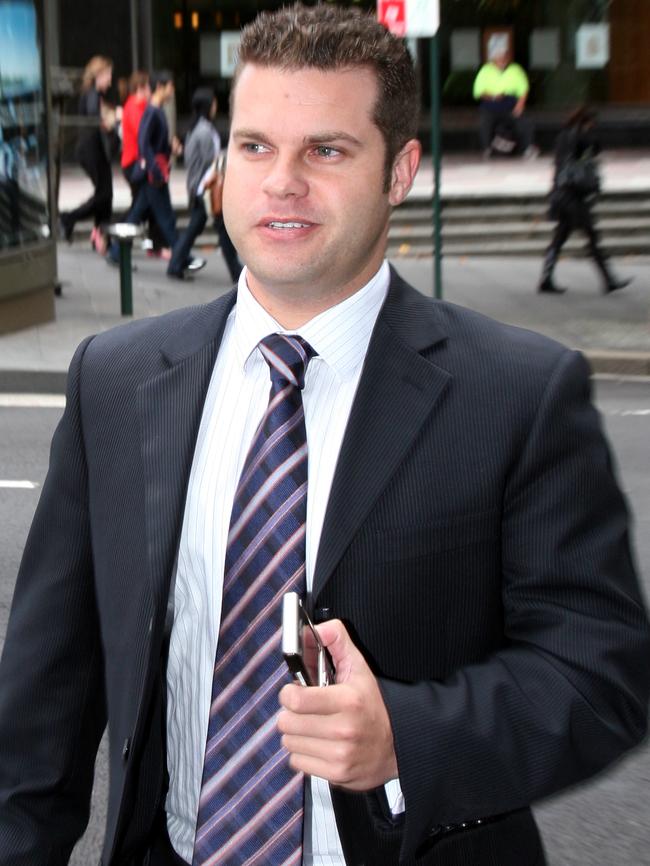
[
  {"x": 580, "y": 175},
  {"x": 163, "y": 163},
  {"x": 216, "y": 189}
]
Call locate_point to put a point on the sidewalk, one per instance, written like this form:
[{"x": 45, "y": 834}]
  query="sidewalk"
[
  {"x": 461, "y": 174},
  {"x": 613, "y": 330}
]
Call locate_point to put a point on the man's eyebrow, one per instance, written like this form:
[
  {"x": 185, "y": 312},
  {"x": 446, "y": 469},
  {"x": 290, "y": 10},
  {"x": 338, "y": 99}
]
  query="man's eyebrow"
[
  {"x": 330, "y": 136},
  {"x": 325, "y": 137},
  {"x": 252, "y": 134}
]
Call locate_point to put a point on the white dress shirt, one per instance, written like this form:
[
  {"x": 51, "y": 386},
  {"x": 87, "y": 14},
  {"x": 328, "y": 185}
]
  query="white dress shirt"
[{"x": 236, "y": 400}]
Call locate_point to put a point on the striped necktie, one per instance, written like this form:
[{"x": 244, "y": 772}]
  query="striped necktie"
[{"x": 251, "y": 802}]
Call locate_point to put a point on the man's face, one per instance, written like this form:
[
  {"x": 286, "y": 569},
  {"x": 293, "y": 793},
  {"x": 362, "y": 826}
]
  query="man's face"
[{"x": 304, "y": 196}]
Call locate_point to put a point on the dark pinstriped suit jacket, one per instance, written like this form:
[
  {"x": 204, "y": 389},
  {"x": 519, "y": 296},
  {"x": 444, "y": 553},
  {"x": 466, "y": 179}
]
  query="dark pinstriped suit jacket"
[{"x": 475, "y": 544}]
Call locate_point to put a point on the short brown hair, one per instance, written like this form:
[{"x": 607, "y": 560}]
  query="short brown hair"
[
  {"x": 329, "y": 38},
  {"x": 138, "y": 79}
]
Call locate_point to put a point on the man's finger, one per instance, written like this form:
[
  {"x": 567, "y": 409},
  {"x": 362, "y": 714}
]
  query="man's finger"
[
  {"x": 345, "y": 655},
  {"x": 312, "y": 700}
]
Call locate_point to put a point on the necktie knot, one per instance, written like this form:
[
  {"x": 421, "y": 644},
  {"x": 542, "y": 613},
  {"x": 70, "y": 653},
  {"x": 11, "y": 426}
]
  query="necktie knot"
[{"x": 288, "y": 357}]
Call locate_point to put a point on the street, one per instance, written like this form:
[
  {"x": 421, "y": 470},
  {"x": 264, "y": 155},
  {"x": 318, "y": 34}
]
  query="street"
[{"x": 603, "y": 822}]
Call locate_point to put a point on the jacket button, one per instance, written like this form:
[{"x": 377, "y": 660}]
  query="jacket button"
[{"x": 126, "y": 749}]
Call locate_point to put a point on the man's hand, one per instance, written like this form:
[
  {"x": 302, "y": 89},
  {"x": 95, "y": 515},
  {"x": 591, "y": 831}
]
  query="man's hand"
[
  {"x": 518, "y": 110},
  {"x": 341, "y": 733}
]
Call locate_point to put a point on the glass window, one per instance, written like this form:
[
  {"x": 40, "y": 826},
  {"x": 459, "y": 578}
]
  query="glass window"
[{"x": 24, "y": 215}]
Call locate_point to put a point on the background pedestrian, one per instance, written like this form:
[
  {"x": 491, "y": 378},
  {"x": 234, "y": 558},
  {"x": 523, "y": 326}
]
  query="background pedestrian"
[
  {"x": 502, "y": 88},
  {"x": 133, "y": 167},
  {"x": 94, "y": 151},
  {"x": 202, "y": 152},
  {"x": 576, "y": 185}
]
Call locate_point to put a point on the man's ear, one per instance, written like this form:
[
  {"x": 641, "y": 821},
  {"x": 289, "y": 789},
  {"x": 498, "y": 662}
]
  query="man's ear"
[{"x": 405, "y": 166}]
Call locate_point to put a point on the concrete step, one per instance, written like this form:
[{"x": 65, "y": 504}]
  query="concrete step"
[
  {"x": 513, "y": 211},
  {"x": 486, "y": 230},
  {"x": 423, "y": 197},
  {"x": 529, "y": 212},
  {"x": 574, "y": 248}
]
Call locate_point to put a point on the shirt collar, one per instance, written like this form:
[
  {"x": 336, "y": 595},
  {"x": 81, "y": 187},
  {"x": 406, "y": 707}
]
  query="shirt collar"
[{"x": 340, "y": 335}]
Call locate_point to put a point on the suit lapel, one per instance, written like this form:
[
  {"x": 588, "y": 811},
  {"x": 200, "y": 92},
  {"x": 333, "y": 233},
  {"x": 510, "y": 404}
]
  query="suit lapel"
[
  {"x": 396, "y": 394},
  {"x": 170, "y": 407}
]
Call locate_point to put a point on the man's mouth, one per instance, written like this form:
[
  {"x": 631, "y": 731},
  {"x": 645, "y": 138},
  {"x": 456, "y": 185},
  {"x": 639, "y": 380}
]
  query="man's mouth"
[{"x": 289, "y": 224}]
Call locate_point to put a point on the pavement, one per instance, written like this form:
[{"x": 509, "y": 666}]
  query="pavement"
[
  {"x": 612, "y": 330},
  {"x": 461, "y": 174}
]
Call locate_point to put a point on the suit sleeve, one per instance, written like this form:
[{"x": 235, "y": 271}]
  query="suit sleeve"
[
  {"x": 567, "y": 693},
  {"x": 148, "y": 131},
  {"x": 52, "y": 706}
]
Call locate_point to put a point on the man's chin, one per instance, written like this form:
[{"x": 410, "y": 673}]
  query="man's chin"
[{"x": 282, "y": 278}]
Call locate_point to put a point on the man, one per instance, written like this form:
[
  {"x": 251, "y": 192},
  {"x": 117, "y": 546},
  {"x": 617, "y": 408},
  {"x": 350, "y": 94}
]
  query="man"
[
  {"x": 463, "y": 536},
  {"x": 202, "y": 151},
  {"x": 502, "y": 88},
  {"x": 132, "y": 168},
  {"x": 156, "y": 151},
  {"x": 134, "y": 108}
]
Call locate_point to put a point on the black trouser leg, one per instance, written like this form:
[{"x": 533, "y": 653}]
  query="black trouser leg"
[
  {"x": 228, "y": 249},
  {"x": 596, "y": 251},
  {"x": 487, "y": 122},
  {"x": 104, "y": 194},
  {"x": 562, "y": 231},
  {"x": 160, "y": 205},
  {"x": 100, "y": 202},
  {"x": 523, "y": 130},
  {"x": 181, "y": 252},
  {"x": 155, "y": 234}
]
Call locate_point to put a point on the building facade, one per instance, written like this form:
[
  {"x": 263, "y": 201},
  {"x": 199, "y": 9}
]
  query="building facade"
[
  {"x": 27, "y": 249},
  {"x": 574, "y": 50}
]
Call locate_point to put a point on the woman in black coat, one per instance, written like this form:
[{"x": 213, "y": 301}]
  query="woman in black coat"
[
  {"x": 575, "y": 189},
  {"x": 94, "y": 152}
]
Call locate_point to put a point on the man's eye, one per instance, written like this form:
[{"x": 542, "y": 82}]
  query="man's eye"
[
  {"x": 327, "y": 151},
  {"x": 255, "y": 147}
]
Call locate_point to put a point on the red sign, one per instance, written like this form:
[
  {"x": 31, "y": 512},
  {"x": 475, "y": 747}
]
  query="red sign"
[{"x": 392, "y": 14}]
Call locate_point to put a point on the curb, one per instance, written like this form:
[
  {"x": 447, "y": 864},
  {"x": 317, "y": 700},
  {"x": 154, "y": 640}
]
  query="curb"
[
  {"x": 618, "y": 363},
  {"x": 33, "y": 381},
  {"x": 601, "y": 361}
]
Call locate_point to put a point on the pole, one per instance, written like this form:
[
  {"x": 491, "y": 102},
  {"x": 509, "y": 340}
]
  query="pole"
[
  {"x": 135, "y": 35},
  {"x": 434, "y": 63},
  {"x": 126, "y": 286}
]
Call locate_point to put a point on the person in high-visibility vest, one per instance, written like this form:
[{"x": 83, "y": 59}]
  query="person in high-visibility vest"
[{"x": 502, "y": 88}]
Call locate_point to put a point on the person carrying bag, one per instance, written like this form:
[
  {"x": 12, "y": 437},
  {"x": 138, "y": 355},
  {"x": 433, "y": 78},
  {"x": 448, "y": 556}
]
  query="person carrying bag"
[{"x": 576, "y": 186}]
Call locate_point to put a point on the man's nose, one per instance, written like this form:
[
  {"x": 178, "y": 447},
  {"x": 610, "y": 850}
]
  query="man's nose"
[{"x": 285, "y": 178}]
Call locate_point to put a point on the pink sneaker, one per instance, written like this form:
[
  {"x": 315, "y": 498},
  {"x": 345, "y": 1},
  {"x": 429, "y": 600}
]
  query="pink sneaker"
[
  {"x": 100, "y": 243},
  {"x": 164, "y": 254}
]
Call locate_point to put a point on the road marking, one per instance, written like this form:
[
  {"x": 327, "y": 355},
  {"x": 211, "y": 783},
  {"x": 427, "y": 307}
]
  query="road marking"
[
  {"x": 638, "y": 413},
  {"x": 32, "y": 401},
  {"x": 18, "y": 485}
]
